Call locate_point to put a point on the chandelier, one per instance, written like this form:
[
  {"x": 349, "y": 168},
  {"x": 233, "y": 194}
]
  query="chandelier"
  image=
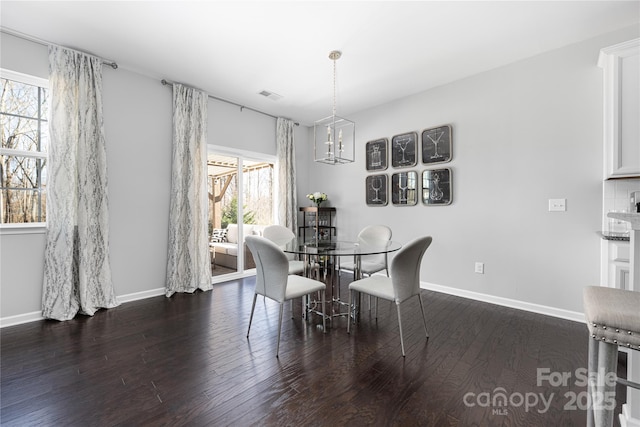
[{"x": 334, "y": 137}]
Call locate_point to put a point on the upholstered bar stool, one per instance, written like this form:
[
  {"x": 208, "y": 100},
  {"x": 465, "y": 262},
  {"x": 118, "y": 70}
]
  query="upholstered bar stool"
[{"x": 613, "y": 319}]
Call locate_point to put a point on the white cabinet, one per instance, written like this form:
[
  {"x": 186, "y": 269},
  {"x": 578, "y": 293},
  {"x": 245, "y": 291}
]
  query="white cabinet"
[
  {"x": 615, "y": 264},
  {"x": 621, "y": 72}
]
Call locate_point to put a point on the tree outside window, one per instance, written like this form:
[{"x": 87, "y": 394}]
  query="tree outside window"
[{"x": 23, "y": 153}]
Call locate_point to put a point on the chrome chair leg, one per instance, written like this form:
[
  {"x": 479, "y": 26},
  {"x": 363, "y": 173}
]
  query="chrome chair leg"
[
  {"x": 305, "y": 307},
  {"x": 255, "y": 297},
  {"x": 279, "y": 329},
  {"x": 324, "y": 317},
  {"x": 350, "y": 307},
  {"x": 400, "y": 326},
  {"x": 424, "y": 319}
]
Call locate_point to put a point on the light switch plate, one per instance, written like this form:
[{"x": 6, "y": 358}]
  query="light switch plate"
[
  {"x": 557, "y": 205},
  {"x": 479, "y": 267}
]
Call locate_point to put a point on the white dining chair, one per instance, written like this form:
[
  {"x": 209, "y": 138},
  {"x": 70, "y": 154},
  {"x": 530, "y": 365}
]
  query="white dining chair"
[
  {"x": 281, "y": 236},
  {"x": 403, "y": 284},
  {"x": 274, "y": 281},
  {"x": 371, "y": 264}
]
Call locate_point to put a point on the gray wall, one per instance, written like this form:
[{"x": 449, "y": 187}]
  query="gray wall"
[{"x": 522, "y": 134}]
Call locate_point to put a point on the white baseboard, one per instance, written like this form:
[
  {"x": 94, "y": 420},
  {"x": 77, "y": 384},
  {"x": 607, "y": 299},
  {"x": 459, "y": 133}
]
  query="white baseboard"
[
  {"x": 20, "y": 319},
  {"x": 507, "y": 302},
  {"x": 520, "y": 305},
  {"x": 37, "y": 315},
  {"x": 140, "y": 295}
]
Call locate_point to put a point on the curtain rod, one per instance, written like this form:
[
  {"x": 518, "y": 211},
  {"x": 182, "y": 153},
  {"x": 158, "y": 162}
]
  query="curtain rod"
[
  {"x": 242, "y": 107},
  {"x": 27, "y": 37}
]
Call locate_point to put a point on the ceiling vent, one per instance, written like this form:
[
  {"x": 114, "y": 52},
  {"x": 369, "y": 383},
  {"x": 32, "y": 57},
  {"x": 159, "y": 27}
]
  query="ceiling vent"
[{"x": 271, "y": 95}]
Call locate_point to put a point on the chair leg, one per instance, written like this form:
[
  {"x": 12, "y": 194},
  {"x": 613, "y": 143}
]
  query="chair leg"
[
  {"x": 424, "y": 319},
  {"x": 279, "y": 328},
  {"x": 591, "y": 379},
  {"x": 338, "y": 271},
  {"x": 255, "y": 297},
  {"x": 336, "y": 262},
  {"x": 305, "y": 307},
  {"x": 400, "y": 326},
  {"x": 350, "y": 310},
  {"x": 387, "y": 270},
  {"x": 604, "y": 400},
  {"x": 324, "y": 322}
]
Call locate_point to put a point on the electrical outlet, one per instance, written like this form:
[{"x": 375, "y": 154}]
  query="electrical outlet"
[
  {"x": 557, "y": 205},
  {"x": 480, "y": 267}
]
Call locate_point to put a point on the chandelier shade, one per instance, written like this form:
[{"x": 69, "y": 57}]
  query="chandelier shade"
[{"x": 334, "y": 137}]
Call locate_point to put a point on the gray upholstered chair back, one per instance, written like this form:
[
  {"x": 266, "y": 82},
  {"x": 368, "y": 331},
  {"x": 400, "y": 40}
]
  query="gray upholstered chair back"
[
  {"x": 272, "y": 267},
  {"x": 405, "y": 268}
]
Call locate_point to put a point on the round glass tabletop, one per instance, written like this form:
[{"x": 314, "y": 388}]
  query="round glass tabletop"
[{"x": 339, "y": 248}]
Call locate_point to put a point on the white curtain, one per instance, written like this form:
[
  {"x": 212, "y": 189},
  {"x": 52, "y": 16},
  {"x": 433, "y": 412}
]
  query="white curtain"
[
  {"x": 188, "y": 265},
  {"x": 77, "y": 273},
  {"x": 288, "y": 201}
]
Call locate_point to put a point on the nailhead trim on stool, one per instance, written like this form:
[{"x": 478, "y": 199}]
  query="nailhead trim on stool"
[
  {"x": 613, "y": 320},
  {"x": 613, "y": 315},
  {"x": 614, "y": 340}
]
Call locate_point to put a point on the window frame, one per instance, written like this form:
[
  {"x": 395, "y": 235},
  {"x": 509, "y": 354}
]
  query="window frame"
[
  {"x": 22, "y": 227},
  {"x": 243, "y": 155}
]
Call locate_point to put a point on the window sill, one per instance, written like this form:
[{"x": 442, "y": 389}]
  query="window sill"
[{"x": 32, "y": 228}]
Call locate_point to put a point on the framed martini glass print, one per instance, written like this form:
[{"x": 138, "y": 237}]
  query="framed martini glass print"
[
  {"x": 403, "y": 150},
  {"x": 436, "y": 145}
]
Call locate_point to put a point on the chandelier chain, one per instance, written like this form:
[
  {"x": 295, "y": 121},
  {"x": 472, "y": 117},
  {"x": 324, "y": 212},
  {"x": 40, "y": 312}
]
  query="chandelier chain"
[{"x": 334, "y": 86}]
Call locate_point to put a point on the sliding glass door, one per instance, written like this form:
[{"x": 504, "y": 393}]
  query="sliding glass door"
[{"x": 241, "y": 203}]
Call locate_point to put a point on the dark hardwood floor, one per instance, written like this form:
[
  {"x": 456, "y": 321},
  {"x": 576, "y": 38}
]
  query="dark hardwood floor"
[{"x": 185, "y": 360}]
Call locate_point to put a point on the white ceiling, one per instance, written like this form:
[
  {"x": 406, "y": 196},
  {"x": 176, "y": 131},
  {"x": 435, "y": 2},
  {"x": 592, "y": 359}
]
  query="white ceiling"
[{"x": 391, "y": 49}]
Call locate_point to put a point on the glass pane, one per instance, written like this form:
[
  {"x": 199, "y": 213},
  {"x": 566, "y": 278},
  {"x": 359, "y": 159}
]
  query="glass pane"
[
  {"x": 44, "y": 136},
  {"x": 42, "y": 164},
  {"x": 222, "y": 182},
  {"x": 21, "y": 172},
  {"x": 19, "y": 133},
  {"x": 44, "y": 103},
  {"x": 19, "y": 98},
  {"x": 224, "y": 210},
  {"x": 22, "y": 206},
  {"x": 258, "y": 192},
  {"x": 257, "y": 196}
]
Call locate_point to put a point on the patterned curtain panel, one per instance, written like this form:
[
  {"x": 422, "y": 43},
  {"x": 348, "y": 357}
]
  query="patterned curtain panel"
[
  {"x": 188, "y": 265},
  {"x": 288, "y": 201},
  {"x": 77, "y": 273}
]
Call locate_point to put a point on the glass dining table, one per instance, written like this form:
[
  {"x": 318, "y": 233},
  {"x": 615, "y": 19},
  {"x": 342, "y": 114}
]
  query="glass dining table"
[{"x": 321, "y": 259}]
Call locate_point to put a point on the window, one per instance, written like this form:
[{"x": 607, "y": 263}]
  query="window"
[
  {"x": 241, "y": 203},
  {"x": 23, "y": 153}
]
